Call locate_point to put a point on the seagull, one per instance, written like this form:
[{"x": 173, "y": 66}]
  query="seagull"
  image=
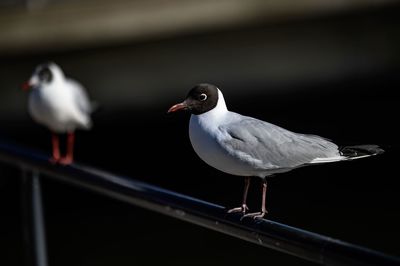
[
  {"x": 59, "y": 103},
  {"x": 245, "y": 146}
]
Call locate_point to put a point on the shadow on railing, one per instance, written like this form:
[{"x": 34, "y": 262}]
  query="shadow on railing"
[{"x": 297, "y": 242}]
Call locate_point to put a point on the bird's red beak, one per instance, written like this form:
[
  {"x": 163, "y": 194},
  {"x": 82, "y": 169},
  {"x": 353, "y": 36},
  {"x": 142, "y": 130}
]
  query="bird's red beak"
[
  {"x": 26, "y": 86},
  {"x": 177, "y": 107}
]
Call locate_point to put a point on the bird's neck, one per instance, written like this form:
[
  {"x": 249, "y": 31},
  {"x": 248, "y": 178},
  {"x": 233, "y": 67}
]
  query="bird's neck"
[
  {"x": 58, "y": 83},
  {"x": 217, "y": 113}
]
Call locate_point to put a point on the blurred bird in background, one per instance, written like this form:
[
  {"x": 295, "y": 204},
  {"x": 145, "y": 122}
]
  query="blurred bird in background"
[
  {"x": 245, "y": 146},
  {"x": 59, "y": 103}
]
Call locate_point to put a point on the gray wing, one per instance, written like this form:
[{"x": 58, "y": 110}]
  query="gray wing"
[
  {"x": 81, "y": 97},
  {"x": 267, "y": 146}
]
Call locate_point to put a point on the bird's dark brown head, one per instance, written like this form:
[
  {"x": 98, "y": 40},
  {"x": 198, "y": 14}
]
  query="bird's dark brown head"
[
  {"x": 200, "y": 99},
  {"x": 43, "y": 74}
]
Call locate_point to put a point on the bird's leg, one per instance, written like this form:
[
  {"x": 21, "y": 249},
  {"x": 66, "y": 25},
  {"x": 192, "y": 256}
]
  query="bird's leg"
[
  {"x": 263, "y": 209},
  {"x": 69, "y": 157},
  {"x": 56, "y": 148},
  {"x": 244, "y": 207}
]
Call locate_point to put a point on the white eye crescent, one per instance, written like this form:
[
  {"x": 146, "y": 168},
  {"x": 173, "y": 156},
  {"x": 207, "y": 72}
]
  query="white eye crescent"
[{"x": 203, "y": 97}]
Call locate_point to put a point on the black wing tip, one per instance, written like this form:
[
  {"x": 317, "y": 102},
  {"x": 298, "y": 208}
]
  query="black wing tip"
[{"x": 361, "y": 150}]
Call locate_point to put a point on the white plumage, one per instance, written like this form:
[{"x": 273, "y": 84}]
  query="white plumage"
[
  {"x": 246, "y": 146},
  {"x": 59, "y": 103}
]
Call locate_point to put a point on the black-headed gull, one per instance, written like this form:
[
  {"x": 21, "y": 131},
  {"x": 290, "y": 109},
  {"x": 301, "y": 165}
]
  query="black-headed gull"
[
  {"x": 59, "y": 103},
  {"x": 245, "y": 146}
]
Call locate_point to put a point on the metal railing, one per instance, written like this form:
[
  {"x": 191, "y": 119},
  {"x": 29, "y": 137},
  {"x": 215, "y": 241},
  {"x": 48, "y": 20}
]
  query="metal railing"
[{"x": 294, "y": 241}]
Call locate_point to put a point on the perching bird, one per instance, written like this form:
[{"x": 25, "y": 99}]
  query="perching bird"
[
  {"x": 245, "y": 146},
  {"x": 59, "y": 103}
]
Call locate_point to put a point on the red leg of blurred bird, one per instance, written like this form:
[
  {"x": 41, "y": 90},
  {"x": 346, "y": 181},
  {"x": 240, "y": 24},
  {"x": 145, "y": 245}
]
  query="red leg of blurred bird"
[
  {"x": 263, "y": 209},
  {"x": 56, "y": 148},
  {"x": 244, "y": 207},
  {"x": 69, "y": 157}
]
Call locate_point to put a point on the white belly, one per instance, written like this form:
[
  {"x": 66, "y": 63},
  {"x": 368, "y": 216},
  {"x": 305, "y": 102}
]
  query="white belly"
[
  {"x": 204, "y": 142},
  {"x": 51, "y": 112}
]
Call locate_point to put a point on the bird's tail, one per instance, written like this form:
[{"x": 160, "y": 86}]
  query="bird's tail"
[{"x": 360, "y": 151}]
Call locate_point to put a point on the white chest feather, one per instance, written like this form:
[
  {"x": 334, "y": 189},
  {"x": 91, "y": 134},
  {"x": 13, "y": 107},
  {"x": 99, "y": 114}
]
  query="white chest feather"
[
  {"x": 206, "y": 138},
  {"x": 55, "y": 108}
]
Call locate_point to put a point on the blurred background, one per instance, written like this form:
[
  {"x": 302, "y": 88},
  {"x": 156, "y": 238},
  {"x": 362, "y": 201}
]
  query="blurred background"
[{"x": 323, "y": 67}]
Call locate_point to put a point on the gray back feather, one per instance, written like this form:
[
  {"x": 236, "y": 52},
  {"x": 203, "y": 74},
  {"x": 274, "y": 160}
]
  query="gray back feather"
[{"x": 269, "y": 146}]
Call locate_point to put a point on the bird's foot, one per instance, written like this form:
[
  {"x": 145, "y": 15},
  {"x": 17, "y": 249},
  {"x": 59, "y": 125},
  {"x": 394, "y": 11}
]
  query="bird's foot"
[
  {"x": 65, "y": 160},
  {"x": 54, "y": 160},
  {"x": 255, "y": 215},
  {"x": 241, "y": 209}
]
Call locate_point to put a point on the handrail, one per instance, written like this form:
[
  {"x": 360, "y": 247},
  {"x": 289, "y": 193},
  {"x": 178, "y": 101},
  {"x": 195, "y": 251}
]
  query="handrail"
[{"x": 297, "y": 242}]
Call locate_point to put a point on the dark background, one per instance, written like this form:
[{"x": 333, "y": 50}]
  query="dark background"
[{"x": 332, "y": 74}]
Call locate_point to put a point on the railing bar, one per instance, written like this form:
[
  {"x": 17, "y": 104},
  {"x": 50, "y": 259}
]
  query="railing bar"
[
  {"x": 33, "y": 220},
  {"x": 287, "y": 239},
  {"x": 38, "y": 221}
]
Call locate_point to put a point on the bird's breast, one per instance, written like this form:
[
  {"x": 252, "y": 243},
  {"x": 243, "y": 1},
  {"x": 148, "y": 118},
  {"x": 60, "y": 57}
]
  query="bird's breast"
[
  {"x": 40, "y": 107},
  {"x": 206, "y": 139},
  {"x": 50, "y": 108}
]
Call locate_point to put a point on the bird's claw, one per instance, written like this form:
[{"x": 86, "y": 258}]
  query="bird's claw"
[
  {"x": 254, "y": 215},
  {"x": 241, "y": 209},
  {"x": 65, "y": 161}
]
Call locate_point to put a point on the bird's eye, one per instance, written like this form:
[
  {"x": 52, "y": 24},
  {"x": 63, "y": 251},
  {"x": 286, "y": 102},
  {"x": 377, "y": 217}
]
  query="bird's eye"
[
  {"x": 45, "y": 75},
  {"x": 203, "y": 97}
]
